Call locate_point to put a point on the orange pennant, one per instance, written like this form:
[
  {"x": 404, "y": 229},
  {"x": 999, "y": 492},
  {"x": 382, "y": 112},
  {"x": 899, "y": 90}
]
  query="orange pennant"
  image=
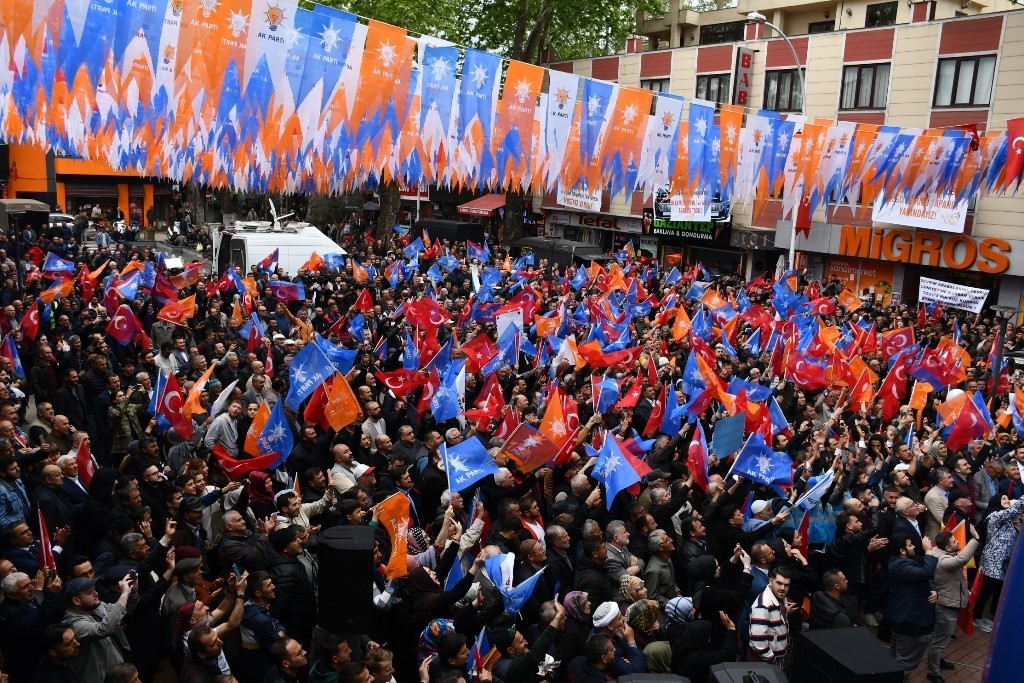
[
  {"x": 256, "y": 428},
  {"x": 342, "y": 407},
  {"x": 393, "y": 515}
]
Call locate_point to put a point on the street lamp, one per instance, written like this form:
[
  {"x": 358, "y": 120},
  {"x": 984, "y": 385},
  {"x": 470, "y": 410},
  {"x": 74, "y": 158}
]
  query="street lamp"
[{"x": 758, "y": 18}]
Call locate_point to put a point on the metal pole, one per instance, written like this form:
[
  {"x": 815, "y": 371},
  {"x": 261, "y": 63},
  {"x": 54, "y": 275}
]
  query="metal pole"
[{"x": 803, "y": 112}]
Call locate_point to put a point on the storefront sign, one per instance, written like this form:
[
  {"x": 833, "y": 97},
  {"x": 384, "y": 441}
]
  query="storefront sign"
[
  {"x": 959, "y": 252},
  {"x": 945, "y": 213},
  {"x": 708, "y": 232},
  {"x": 744, "y": 67},
  {"x": 953, "y": 295},
  {"x": 579, "y": 199},
  {"x": 599, "y": 221},
  {"x": 872, "y": 279}
]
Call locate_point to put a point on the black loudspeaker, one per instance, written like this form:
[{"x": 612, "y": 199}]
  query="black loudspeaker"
[
  {"x": 745, "y": 672},
  {"x": 345, "y": 557},
  {"x": 5, "y": 163},
  {"x": 652, "y": 678},
  {"x": 843, "y": 655}
]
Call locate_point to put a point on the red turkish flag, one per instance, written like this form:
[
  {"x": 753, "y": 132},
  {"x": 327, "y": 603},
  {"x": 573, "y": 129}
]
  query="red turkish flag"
[
  {"x": 429, "y": 388},
  {"x": 1014, "y": 167},
  {"x": 892, "y": 342},
  {"x": 124, "y": 326},
  {"x": 171, "y": 405},
  {"x": 632, "y": 395},
  {"x": 364, "y": 302},
  {"x": 402, "y": 382},
  {"x": 657, "y": 413},
  {"x": 479, "y": 350},
  {"x": 425, "y": 313},
  {"x": 86, "y": 465},
  {"x": 177, "y": 312},
  {"x": 30, "y": 323}
]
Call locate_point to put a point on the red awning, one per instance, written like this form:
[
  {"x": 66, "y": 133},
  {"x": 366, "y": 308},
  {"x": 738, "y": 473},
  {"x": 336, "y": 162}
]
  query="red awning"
[{"x": 483, "y": 206}]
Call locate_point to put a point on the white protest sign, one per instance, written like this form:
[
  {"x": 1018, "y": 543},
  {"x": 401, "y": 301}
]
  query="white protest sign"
[{"x": 953, "y": 295}]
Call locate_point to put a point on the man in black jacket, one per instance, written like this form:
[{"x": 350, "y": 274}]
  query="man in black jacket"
[
  {"x": 849, "y": 552},
  {"x": 71, "y": 401},
  {"x": 23, "y": 621},
  {"x": 591, "y": 577},
  {"x": 295, "y": 606}
]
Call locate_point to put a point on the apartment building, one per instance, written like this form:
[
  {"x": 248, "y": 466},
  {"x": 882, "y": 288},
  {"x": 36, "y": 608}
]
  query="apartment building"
[{"x": 914, "y": 64}]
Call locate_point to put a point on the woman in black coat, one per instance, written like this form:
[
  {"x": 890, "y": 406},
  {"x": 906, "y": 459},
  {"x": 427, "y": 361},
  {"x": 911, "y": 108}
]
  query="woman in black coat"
[
  {"x": 712, "y": 594},
  {"x": 429, "y": 599},
  {"x": 692, "y": 651}
]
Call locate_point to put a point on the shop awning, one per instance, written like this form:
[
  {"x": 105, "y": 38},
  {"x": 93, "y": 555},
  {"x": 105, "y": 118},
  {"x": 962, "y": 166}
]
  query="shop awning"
[{"x": 483, "y": 206}]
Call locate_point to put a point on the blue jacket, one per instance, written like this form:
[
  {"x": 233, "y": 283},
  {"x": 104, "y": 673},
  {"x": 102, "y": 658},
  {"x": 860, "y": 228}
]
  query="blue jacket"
[{"x": 911, "y": 580}]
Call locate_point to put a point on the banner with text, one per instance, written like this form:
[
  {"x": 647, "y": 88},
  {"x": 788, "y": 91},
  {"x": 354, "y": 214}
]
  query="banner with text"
[
  {"x": 944, "y": 213},
  {"x": 953, "y": 295}
]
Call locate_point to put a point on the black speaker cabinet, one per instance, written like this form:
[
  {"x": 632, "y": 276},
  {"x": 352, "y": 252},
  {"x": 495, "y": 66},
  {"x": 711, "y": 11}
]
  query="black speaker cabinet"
[
  {"x": 843, "y": 655},
  {"x": 745, "y": 672},
  {"x": 652, "y": 678},
  {"x": 345, "y": 556}
]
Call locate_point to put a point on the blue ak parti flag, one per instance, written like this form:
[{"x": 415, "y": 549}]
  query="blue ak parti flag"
[
  {"x": 309, "y": 369},
  {"x": 276, "y": 436},
  {"x": 759, "y": 463},
  {"x": 410, "y": 354},
  {"x": 343, "y": 359},
  {"x": 413, "y": 250},
  {"x": 466, "y": 463},
  {"x": 445, "y": 405},
  {"x": 55, "y": 264},
  {"x": 613, "y": 470},
  {"x": 482, "y": 254}
]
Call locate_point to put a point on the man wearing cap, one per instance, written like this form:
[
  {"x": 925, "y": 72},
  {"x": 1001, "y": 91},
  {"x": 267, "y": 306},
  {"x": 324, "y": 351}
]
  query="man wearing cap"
[
  {"x": 760, "y": 513},
  {"x": 629, "y": 659},
  {"x": 23, "y": 620},
  {"x": 97, "y": 625},
  {"x": 188, "y": 571}
]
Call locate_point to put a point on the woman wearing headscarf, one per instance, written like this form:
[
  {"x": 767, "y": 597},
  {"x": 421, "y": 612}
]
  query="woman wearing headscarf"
[
  {"x": 712, "y": 594},
  {"x": 1003, "y": 528},
  {"x": 692, "y": 652},
  {"x": 577, "y": 625},
  {"x": 631, "y": 589},
  {"x": 428, "y": 599},
  {"x": 643, "y": 617},
  {"x": 261, "y": 494}
]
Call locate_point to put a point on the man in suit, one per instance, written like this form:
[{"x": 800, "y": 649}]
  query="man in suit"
[
  {"x": 936, "y": 501},
  {"x": 23, "y": 548},
  {"x": 620, "y": 560},
  {"x": 48, "y": 500},
  {"x": 907, "y": 512},
  {"x": 986, "y": 486},
  {"x": 72, "y": 489}
]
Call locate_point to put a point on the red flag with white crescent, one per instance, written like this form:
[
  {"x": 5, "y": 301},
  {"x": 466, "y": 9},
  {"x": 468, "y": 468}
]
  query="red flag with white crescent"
[
  {"x": 45, "y": 548},
  {"x": 86, "y": 463},
  {"x": 171, "y": 405}
]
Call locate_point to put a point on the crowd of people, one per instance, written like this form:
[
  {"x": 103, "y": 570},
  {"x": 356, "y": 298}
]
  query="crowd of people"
[{"x": 130, "y": 552}]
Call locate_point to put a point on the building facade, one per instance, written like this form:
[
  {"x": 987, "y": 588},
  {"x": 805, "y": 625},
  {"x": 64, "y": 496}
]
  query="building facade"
[{"x": 913, "y": 64}]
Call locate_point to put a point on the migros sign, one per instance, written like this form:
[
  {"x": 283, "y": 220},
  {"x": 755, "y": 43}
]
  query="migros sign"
[{"x": 959, "y": 252}]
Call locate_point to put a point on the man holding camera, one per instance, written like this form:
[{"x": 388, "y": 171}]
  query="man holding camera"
[{"x": 97, "y": 625}]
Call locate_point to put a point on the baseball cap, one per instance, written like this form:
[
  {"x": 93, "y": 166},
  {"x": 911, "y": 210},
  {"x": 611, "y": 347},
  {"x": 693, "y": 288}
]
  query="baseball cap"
[
  {"x": 361, "y": 470},
  {"x": 76, "y": 586},
  {"x": 278, "y": 336}
]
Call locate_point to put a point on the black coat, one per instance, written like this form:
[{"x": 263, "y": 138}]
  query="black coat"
[
  {"x": 295, "y": 604},
  {"x": 593, "y": 580},
  {"x": 71, "y": 403}
]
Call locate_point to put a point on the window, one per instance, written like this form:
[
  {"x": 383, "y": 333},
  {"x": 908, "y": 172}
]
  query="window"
[
  {"x": 882, "y": 14},
  {"x": 964, "y": 81},
  {"x": 865, "y": 86},
  {"x": 821, "y": 27},
  {"x": 714, "y": 88},
  {"x": 730, "y": 32},
  {"x": 655, "y": 84},
  {"x": 783, "y": 90}
]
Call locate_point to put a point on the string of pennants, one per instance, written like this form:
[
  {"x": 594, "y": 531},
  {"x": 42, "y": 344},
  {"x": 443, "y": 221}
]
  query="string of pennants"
[{"x": 263, "y": 95}]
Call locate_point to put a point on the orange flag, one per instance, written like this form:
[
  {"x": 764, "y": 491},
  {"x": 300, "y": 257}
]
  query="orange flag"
[
  {"x": 682, "y": 326},
  {"x": 192, "y": 406},
  {"x": 236, "y": 315},
  {"x": 342, "y": 407},
  {"x": 850, "y": 301},
  {"x": 57, "y": 292},
  {"x": 546, "y": 326},
  {"x": 177, "y": 312},
  {"x": 256, "y": 428},
  {"x": 919, "y": 395},
  {"x": 712, "y": 299},
  {"x": 314, "y": 263},
  {"x": 393, "y": 515},
  {"x": 553, "y": 425}
]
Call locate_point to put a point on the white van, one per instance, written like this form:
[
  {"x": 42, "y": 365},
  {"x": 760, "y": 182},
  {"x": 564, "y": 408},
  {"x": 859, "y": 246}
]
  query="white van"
[{"x": 249, "y": 242}]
